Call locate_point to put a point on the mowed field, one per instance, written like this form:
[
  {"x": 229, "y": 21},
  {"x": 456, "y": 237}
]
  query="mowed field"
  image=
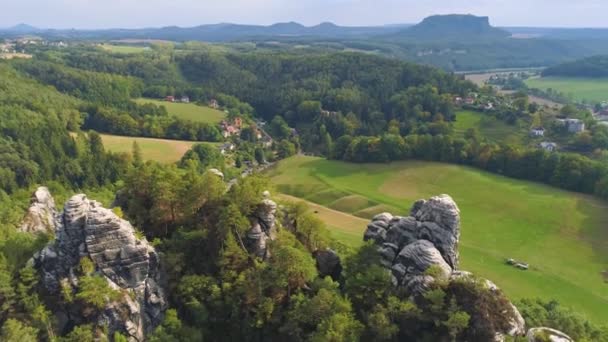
[
  {"x": 161, "y": 150},
  {"x": 563, "y": 235},
  {"x": 588, "y": 89},
  {"x": 189, "y": 111},
  {"x": 489, "y": 127},
  {"x": 123, "y": 49}
]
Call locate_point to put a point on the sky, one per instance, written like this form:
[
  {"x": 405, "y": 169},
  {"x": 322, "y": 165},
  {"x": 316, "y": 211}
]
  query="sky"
[{"x": 88, "y": 14}]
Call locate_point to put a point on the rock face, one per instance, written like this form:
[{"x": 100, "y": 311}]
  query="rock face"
[
  {"x": 547, "y": 334},
  {"x": 409, "y": 246},
  {"x": 86, "y": 229},
  {"x": 40, "y": 217},
  {"x": 263, "y": 227},
  {"x": 328, "y": 263}
]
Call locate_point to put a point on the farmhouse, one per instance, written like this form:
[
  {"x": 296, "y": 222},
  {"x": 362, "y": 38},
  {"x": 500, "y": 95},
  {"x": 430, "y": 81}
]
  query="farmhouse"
[
  {"x": 573, "y": 125},
  {"x": 548, "y": 146},
  {"x": 170, "y": 98},
  {"x": 185, "y": 99},
  {"x": 230, "y": 129},
  {"x": 537, "y": 132}
]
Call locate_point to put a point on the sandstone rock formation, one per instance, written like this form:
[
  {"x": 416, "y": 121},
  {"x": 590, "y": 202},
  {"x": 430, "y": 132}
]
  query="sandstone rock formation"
[
  {"x": 410, "y": 246},
  {"x": 40, "y": 217},
  {"x": 86, "y": 229},
  {"x": 547, "y": 334},
  {"x": 263, "y": 227},
  {"x": 328, "y": 263}
]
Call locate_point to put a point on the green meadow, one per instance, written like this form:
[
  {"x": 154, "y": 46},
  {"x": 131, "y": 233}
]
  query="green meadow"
[
  {"x": 581, "y": 89},
  {"x": 489, "y": 127},
  {"x": 189, "y": 111},
  {"x": 161, "y": 150},
  {"x": 123, "y": 49},
  {"x": 562, "y": 235}
]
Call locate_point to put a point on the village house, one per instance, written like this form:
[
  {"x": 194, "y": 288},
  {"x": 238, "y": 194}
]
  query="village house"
[
  {"x": 469, "y": 100},
  {"x": 602, "y": 115},
  {"x": 185, "y": 99},
  {"x": 537, "y": 132},
  {"x": 489, "y": 106},
  {"x": 230, "y": 129},
  {"x": 548, "y": 146},
  {"x": 170, "y": 98},
  {"x": 214, "y": 104},
  {"x": 573, "y": 125}
]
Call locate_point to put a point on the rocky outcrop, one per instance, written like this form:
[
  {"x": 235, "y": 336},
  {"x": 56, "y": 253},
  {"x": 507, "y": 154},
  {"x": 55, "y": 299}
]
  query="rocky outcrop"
[
  {"x": 328, "y": 263},
  {"x": 40, "y": 217},
  {"x": 428, "y": 238},
  {"x": 411, "y": 245},
  {"x": 547, "y": 334},
  {"x": 86, "y": 229},
  {"x": 263, "y": 227}
]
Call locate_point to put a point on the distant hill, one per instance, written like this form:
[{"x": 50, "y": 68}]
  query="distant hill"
[
  {"x": 458, "y": 27},
  {"x": 23, "y": 28},
  {"x": 227, "y": 32},
  {"x": 596, "y": 66}
]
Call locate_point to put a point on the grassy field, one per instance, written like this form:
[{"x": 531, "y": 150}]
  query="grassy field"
[
  {"x": 189, "y": 111},
  {"x": 588, "y": 89},
  {"x": 123, "y": 49},
  {"x": 562, "y": 235},
  {"x": 489, "y": 127},
  {"x": 162, "y": 150}
]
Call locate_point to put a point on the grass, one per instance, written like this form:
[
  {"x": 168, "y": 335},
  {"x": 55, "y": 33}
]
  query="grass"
[
  {"x": 581, "y": 89},
  {"x": 123, "y": 49},
  {"x": 161, "y": 150},
  {"x": 489, "y": 127},
  {"x": 561, "y": 234},
  {"x": 189, "y": 111}
]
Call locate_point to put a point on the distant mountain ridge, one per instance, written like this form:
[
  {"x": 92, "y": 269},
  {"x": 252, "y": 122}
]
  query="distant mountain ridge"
[{"x": 216, "y": 32}]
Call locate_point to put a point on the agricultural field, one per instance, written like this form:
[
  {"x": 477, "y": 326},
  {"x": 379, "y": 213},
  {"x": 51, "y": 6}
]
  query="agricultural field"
[
  {"x": 161, "y": 150},
  {"x": 560, "y": 234},
  {"x": 490, "y": 127},
  {"x": 580, "y": 89},
  {"x": 123, "y": 49},
  {"x": 189, "y": 111}
]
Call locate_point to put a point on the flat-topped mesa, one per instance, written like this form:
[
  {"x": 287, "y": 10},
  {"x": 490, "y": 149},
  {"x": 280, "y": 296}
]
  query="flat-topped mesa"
[
  {"x": 86, "y": 229},
  {"x": 40, "y": 217}
]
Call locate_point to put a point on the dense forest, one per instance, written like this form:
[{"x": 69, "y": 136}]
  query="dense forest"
[
  {"x": 595, "y": 67},
  {"x": 346, "y": 106}
]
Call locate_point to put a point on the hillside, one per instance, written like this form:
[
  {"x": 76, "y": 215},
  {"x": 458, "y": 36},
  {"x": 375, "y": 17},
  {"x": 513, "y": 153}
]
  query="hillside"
[
  {"x": 559, "y": 233},
  {"x": 595, "y": 67}
]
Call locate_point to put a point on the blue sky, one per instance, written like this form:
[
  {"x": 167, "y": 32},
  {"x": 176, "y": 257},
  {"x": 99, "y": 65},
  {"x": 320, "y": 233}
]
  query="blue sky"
[{"x": 153, "y": 13}]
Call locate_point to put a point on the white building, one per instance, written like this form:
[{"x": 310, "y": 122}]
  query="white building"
[
  {"x": 548, "y": 146},
  {"x": 537, "y": 132}
]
